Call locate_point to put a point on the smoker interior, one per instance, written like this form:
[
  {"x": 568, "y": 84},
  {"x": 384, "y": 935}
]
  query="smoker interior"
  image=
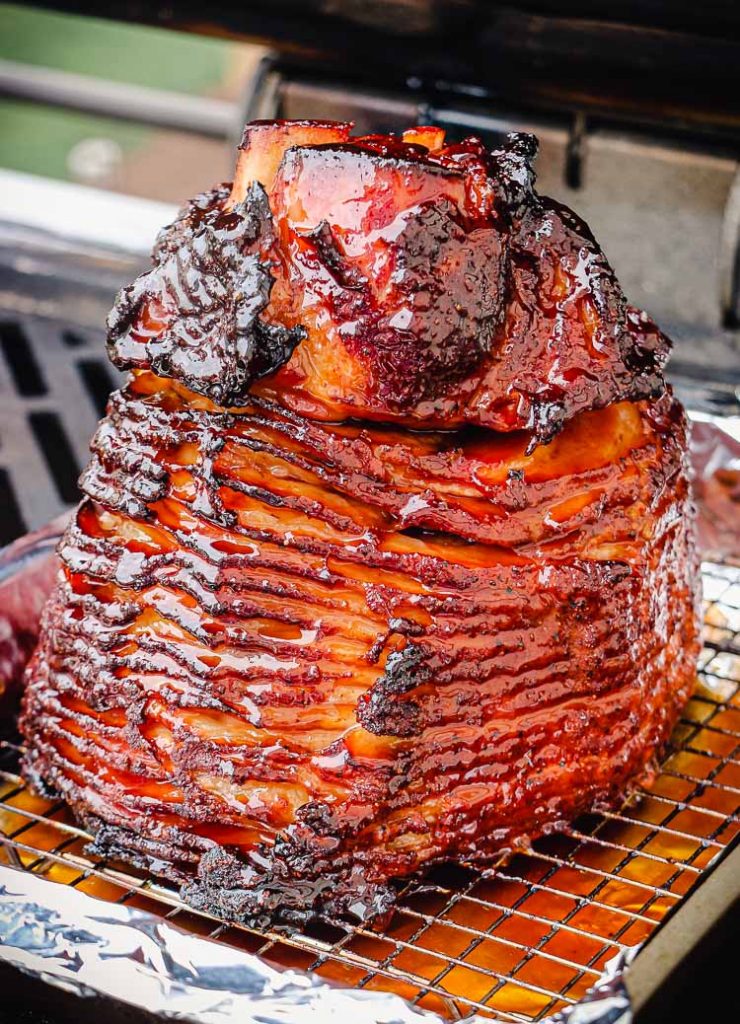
[{"x": 519, "y": 941}]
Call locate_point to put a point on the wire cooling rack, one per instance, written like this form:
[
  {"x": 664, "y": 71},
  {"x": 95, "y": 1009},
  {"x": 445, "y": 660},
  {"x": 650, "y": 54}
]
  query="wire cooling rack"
[{"x": 515, "y": 942}]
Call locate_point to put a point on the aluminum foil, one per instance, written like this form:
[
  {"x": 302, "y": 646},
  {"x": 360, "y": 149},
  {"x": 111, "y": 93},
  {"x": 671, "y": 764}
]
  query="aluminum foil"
[
  {"x": 715, "y": 461},
  {"x": 89, "y": 947},
  {"x": 608, "y": 1001}
]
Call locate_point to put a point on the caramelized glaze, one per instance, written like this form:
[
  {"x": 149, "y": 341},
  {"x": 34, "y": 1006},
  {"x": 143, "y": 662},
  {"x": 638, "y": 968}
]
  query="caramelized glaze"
[{"x": 292, "y": 654}]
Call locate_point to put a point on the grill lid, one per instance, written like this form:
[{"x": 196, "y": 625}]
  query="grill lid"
[{"x": 658, "y": 60}]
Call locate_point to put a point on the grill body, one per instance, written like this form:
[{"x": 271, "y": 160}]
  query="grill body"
[{"x": 531, "y": 936}]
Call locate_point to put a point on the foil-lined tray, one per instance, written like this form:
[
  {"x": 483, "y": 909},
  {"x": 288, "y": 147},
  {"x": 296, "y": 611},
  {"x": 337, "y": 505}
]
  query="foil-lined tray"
[{"x": 64, "y": 937}]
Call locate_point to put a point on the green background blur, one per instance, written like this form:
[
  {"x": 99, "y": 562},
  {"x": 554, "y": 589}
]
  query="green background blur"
[{"x": 39, "y": 139}]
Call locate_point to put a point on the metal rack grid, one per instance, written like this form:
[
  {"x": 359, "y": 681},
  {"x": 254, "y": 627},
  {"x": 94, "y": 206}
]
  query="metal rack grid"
[
  {"x": 54, "y": 385},
  {"x": 515, "y": 942}
]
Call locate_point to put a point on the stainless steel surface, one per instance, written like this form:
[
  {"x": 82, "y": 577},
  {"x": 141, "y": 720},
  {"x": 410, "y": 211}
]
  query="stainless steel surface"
[
  {"x": 683, "y": 931},
  {"x": 516, "y": 942},
  {"x": 63, "y": 215},
  {"x": 662, "y": 209},
  {"x": 66, "y": 249},
  {"x": 730, "y": 256}
]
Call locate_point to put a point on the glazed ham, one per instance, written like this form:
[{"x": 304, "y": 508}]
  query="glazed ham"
[
  {"x": 386, "y": 553},
  {"x": 428, "y": 287}
]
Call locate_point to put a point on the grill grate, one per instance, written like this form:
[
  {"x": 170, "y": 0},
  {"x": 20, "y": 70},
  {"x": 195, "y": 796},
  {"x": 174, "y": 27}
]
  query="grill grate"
[
  {"x": 53, "y": 387},
  {"x": 515, "y": 942}
]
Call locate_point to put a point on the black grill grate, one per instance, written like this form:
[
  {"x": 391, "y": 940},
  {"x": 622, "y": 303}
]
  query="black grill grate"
[{"x": 54, "y": 383}]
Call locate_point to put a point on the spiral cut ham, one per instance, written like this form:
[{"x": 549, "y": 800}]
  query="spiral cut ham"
[{"x": 386, "y": 555}]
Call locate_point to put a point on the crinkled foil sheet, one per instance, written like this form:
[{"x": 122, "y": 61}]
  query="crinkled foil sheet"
[{"x": 83, "y": 945}]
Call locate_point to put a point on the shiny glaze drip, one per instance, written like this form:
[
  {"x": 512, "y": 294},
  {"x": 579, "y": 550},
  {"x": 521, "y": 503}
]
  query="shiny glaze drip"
[{"x": 196, "y": 315}]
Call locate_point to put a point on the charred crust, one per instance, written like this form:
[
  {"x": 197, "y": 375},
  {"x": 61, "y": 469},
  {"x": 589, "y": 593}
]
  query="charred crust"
[
  {"x": 386, "y": 708},
  {"x": 513, "y": 165},
  {"x": 211, "y": 280},
  {"x": 447, "y": 278},
  {"x": 260, "y": 891}
]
